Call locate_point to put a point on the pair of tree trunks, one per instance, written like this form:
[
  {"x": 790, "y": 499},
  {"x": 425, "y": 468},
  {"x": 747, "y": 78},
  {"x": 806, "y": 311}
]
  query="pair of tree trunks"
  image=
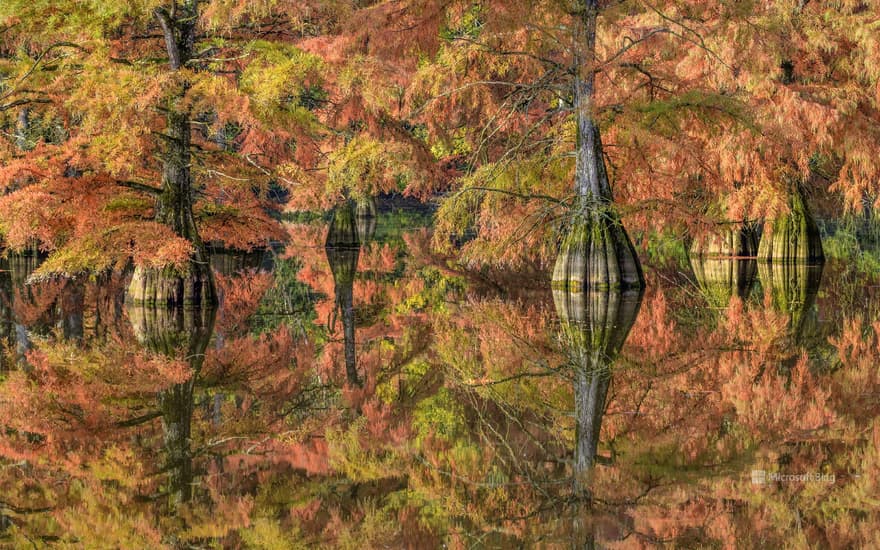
[{"x": 791, "y": 237}]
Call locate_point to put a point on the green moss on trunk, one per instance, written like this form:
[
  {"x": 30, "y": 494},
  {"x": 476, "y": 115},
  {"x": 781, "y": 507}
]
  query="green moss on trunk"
[
  {"x": 792, "y": 237},
  {"x": 168, "y": 286},
  {"x": 597, "y": 254},
  {"x": 343, "y": 251}
]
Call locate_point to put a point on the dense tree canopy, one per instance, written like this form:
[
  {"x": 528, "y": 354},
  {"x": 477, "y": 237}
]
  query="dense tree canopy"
[{"x": 423, "y": 273}]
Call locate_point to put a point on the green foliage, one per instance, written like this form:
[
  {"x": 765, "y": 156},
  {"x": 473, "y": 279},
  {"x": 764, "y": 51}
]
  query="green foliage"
[
  {"x": 440, "y": 416},
  {"x": 365, "y": 166},
  {"x": 281, "y": 81},
  {"x": 438, "y": 289},
  {"x": 466, "y": 25},
  {"x": 267, "y": 534}
]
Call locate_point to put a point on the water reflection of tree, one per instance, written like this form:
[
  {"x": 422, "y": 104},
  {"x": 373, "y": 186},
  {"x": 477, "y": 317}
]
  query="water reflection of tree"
[
  {"x": 791, "y": 289},
  {"x": 351, "y": 227},
  {"x": 593, "y": 328},
  {"x": 178, "y": 334}
]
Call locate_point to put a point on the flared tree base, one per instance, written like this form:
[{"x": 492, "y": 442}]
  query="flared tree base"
[
  {"x": 734, "y": 240},
  {"x": 793, "y": 237},
  {"x": 597, "y": 254},
  {"x": 167, "y": 287}
]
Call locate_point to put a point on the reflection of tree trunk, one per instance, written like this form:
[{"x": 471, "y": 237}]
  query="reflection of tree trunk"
[
  {"x": 792, "y": 237},
  {"x": 596, "y": 252},
  {"x": 720, "y": 278},
  {"x": 343, "y": 249},
  {"x": 593, "y": 328},
  {"x": 7, "y": 313},
  {"x": 793, "y": 289},
  {"x": 176, "y": 404},
  {"x": 177, "y": 334}
]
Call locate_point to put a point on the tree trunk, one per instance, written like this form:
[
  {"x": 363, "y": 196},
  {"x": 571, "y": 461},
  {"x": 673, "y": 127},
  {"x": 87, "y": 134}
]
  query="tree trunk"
[
  {"x": 168, "y": 286},
  {"x": 735, "y": 239},
  {"x": 596, "y": 252},
  {"x": 792, "y": 237},
  {"x": 366, "y": 213}
]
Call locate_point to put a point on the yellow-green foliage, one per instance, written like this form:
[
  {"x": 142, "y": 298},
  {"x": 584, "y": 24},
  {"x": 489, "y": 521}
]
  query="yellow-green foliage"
[
  {"x": 266, "y": 534},
  {"x": 276, "y": 78},
  {"x": 490, "y": 195},
  {"x": 349, "y": 457},
  {"x": 365, "y": 167},
  {"x": 55, "y": 19}
]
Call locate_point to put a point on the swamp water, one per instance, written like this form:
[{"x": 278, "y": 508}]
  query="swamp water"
[{"x": 353, "y": 390}]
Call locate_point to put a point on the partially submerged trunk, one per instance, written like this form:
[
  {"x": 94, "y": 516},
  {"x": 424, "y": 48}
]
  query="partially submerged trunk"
[
  {"x": 792, "y": 237},
  {"x": 367, "y": 214},
  {"x": 193, "y": 285},
  {"x": 596, "y": 251},
  {"x": 732, "y": 240},
  {"x": 343, "y": 250}
]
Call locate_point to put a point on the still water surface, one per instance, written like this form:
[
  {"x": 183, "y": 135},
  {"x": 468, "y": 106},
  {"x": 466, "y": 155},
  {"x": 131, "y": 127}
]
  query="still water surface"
[{"x": 354, "y": 390}]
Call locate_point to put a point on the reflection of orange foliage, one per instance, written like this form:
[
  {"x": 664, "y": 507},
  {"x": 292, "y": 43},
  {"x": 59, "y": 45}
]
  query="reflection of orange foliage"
[{"x": 240, "y": 297}]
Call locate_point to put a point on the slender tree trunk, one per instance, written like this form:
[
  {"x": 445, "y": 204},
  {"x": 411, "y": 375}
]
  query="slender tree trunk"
[
  {"x": 596, "y": 252},
  {"x": 168, "y": 286},
  {"x": 22, "y": 126}
]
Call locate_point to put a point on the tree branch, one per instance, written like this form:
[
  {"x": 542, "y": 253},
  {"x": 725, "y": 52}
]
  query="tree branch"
[{"x": 137, "y": 186}]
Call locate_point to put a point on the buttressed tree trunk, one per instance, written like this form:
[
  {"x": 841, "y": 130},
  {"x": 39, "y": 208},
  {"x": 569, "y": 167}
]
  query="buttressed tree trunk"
[
  {"x": 734, "y": 239},
  {"x": 792, "y": 237},
  {"x": 367, "y": 214},
  {"x": 596, "y": 252},
  {"x": 169, "y": 286},
  {"x": 343, "y": 250}
]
